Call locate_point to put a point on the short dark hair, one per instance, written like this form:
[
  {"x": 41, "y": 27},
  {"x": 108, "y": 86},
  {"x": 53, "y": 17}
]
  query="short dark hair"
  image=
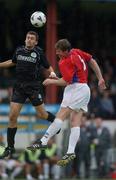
[
  {"x": 63, "y": 44},
  {"x": 34, "y": 33}
]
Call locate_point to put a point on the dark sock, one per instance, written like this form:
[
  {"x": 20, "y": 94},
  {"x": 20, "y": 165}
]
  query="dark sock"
[
  {"x": 51, "y": 117},
  {"x": 11, "y": 136}
]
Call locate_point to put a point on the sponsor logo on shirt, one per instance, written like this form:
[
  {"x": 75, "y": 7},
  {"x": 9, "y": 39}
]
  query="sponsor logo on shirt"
[{"x": 27, "y": 58}]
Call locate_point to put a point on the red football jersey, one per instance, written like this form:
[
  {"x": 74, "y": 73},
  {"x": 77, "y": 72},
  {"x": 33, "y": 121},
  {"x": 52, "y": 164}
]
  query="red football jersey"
[{"x": 74, "y": 67}]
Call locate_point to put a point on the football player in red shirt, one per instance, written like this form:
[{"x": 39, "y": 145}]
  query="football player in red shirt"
[{"x": 73, "y": 65}]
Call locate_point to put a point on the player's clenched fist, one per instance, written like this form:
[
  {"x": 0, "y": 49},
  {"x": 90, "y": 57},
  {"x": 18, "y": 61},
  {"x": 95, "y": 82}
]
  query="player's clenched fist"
[{"x": 101, "y": 84}]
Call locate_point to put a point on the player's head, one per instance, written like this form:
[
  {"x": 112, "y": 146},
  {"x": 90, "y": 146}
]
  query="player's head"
[
  {"x": 62, "y": 47},
  {"x": 98, "y": 121},
  {"x": 31, "y": 39}
]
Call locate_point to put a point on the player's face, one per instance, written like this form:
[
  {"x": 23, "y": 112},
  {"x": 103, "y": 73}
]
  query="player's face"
[
  {"x": 61, "y": 54},
  {"x": 30, "y": 41}
]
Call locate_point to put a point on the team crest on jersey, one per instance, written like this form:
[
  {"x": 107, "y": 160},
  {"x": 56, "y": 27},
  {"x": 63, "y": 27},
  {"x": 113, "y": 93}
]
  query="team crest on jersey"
[{"x": 33, "y": 54}]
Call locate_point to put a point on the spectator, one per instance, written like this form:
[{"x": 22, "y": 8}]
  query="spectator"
[
  {"x": 102, "y": 144},
  {"x": 113, "y": 94},
  {"x": 114, "y": 139},
  {"x": 31, "y": 158},
  {"x": 95, "y": 104},
  {"x": 27, "y": 161},
  {"x": 14, "y": 167},
  {"x": 83, "y": 148},
  {"x": 43, "y": 160},
  {"x": 3, "y": 173},
  {"x": 107, "y": 105},
  {"x": 49, "y": 160}
]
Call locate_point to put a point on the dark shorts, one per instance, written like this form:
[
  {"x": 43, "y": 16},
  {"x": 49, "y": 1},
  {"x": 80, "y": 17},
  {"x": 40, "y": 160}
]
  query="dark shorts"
[{"x": 26, "y": 90}]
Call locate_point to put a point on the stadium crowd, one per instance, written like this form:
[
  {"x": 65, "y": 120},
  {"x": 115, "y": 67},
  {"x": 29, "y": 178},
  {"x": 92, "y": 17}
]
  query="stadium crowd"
[{"x": 95, "y": 153}]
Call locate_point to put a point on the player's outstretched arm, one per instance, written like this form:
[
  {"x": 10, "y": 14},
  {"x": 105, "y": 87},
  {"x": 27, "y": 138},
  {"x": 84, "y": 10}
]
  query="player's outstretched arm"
[
  {"x": 101, "y": 82},
  {"x": 7, "y": 64},
  {"x": 57, "y": 82}
]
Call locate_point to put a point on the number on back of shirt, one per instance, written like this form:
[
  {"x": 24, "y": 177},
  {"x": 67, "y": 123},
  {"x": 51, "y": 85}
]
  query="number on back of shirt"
[{"x": 84, "y": 65}]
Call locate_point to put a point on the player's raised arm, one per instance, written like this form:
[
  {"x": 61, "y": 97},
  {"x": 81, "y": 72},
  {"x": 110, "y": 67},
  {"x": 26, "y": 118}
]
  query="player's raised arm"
[
  {"x": 47, "y": 66},
  {"x": 101, "y": 82},
  {"x": 7, "y": 64}
]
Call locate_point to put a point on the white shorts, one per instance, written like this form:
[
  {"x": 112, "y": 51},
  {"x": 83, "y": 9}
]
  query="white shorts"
[{"x": 76, "y": 96}]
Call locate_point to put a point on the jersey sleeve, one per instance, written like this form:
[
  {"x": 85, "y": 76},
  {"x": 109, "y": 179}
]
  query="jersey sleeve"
[
  {"x": 86, "y": 56},
  {"x": 44, "y": 61},
  {"x": 14, "y": 59}
]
